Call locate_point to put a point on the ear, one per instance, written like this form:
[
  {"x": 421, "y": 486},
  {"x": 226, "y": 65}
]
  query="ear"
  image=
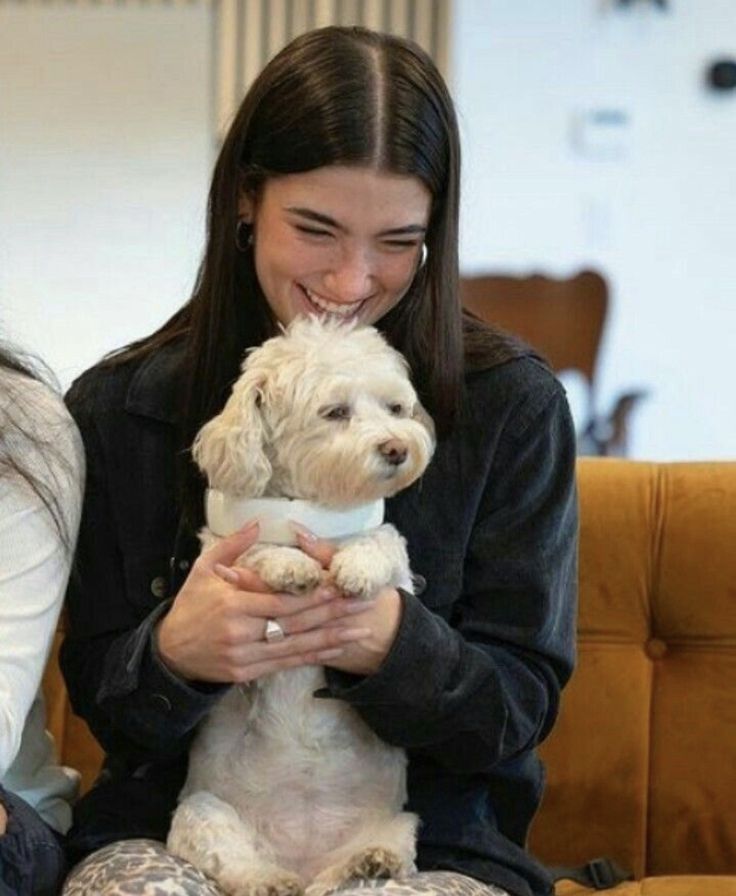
[
  {"x": 421, "y": 416},
  {"x": 246, "y": 206},
  {"x": 229, "y": 449}
]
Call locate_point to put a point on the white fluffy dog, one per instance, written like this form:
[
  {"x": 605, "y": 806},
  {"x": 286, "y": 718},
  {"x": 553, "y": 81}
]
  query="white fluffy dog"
[{"x": 287, "y": 792}]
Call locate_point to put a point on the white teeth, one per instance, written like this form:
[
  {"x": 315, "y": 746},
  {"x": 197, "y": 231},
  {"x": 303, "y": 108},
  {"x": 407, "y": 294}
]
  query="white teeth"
[{"x": 332, "y": 307}]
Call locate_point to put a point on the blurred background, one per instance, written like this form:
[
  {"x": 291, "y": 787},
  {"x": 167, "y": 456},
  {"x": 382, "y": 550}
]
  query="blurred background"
[{"x": 598, "y": 136}]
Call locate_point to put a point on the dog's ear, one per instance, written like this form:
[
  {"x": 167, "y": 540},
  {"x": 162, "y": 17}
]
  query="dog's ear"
[
  {"x": 229, "y": 449},
  {"x": 421, "y": 415}
]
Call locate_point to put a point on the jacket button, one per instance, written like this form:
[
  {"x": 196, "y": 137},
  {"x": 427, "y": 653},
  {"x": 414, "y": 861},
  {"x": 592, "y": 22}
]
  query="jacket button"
[
  {"x": 158, "y": 586},
  {"x": 161, "y": 701},
  {"x": 183, "y": 565}
]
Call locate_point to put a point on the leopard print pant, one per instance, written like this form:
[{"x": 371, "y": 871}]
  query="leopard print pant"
[{"x": 145, "y": 868}]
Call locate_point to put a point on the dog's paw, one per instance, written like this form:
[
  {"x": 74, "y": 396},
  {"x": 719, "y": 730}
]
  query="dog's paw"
[
  {"x": 374, "y": 863},
  {"x": 286, "y": 569},
  {"x": 283, "y": 884},
  {"x": 359, "y": 574}
]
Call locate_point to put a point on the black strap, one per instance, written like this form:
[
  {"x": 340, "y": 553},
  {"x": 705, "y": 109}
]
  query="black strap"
[{"x": 600, "y": 874}]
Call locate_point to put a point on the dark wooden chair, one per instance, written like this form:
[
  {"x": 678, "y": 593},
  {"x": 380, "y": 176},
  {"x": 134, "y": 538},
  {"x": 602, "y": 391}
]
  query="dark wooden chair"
[{"x": 564, "y": 320}]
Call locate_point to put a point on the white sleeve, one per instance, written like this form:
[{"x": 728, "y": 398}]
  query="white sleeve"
[{"x": 34, "y": 561}]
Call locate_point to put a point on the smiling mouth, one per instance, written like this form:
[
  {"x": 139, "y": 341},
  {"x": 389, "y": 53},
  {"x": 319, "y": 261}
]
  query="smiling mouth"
[{"x": 339, "y": 310}]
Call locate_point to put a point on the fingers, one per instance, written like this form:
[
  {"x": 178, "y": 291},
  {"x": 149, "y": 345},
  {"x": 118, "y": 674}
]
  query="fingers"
[
  {"x": 297, "y": 650},
  {"x": 330, "y": 615},
  {"x": 322, "y": 551},
  {"x": 227, "y": 551},
  {"x": 241, "y": 577},
  {"x": 273, "y": 605},
  {"x": 324, "y": 606},
  {"x": 312, "y": 641}
]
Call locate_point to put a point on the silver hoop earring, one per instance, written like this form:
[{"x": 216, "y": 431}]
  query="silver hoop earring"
[
  {"x": 423, "y": 257},
  {"x": 244, "y": 236}
]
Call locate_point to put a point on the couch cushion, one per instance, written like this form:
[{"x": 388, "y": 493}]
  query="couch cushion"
[
  {"x": 641, "y": 764},
  {"x": 685, "y": 885},
  {"x": 75, "y": 745}
]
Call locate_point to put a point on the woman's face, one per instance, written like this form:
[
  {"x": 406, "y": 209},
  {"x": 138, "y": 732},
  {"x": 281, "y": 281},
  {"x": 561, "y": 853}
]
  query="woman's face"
[{"x": 340, "y": 241}]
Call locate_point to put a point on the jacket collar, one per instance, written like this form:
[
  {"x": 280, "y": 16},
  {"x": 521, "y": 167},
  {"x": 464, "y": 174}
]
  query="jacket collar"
[{"x": 155, "y": 389}]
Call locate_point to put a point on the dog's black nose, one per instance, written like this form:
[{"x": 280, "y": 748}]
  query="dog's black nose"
[{"x": 393, "y": 451}]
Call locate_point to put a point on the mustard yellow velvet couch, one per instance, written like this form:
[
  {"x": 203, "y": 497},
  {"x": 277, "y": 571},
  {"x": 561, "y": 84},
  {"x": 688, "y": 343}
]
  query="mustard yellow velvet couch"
[{"x": 642, "y": 763}]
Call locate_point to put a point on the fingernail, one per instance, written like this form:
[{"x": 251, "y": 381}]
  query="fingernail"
[
  {"x": 353, "y": 634},
  {"x": 330, "y": 654},
  {"x": 226, "y": 573},
  {"x": 303, "y": 532},
  {"x": 248, "y": 526}
]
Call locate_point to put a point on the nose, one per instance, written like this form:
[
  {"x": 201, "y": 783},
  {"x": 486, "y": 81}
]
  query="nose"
[
  {"x": 393, "y": 452},
  {"x": 351, "y": 280}
]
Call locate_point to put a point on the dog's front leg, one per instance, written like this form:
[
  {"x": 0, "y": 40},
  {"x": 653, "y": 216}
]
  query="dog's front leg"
[
  {"x": 367, "y": 563},
  {"x": 211, "y": 835}
]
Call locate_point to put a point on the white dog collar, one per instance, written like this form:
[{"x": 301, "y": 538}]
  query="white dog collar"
[{"x": 226, "y": 513}]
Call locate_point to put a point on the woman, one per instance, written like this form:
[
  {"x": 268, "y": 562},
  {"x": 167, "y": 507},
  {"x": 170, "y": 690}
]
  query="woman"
[
  {"x": 41, "y": 473},
  {"x": 335, "y": 193}
]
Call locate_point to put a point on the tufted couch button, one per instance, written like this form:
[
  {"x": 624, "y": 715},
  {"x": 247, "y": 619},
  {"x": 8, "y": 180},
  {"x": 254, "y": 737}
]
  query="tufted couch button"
[
  {"x": 158, "y": 586},
  {"x": 655, "y": 649},
  {"x": 161, "y": 701}
]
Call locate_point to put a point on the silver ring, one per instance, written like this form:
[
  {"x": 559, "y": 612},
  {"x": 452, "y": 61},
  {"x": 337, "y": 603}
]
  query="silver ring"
[{"x": 273, "y": 632}]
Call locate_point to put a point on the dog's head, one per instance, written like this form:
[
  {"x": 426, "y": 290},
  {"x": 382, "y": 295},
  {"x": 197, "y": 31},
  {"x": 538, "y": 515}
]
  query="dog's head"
[{"x": 325, "y": 412}]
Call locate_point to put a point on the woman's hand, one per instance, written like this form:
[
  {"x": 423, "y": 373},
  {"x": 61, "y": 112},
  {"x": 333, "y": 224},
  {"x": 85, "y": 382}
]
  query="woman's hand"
[
  {"x": 3, "y": 820},
  {"x": 215, "y": 628},
  {"x": 379, "y": 617}
]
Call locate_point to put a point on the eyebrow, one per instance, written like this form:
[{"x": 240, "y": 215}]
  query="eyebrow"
[{"x": 319, "y": 218}]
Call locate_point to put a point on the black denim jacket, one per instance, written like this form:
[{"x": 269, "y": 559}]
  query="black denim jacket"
[{"x": 472, "y": 682}]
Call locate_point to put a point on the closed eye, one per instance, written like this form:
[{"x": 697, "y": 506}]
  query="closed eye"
[
  {"x": 336, "y": 412},
  {"x": 312, "y": 231},
  {"x": 401, "y": 244}
]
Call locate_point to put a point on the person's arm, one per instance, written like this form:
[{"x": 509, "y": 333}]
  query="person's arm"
[
  {"x": 487, "y": 688},
  {"x": 34, "y": 558}
]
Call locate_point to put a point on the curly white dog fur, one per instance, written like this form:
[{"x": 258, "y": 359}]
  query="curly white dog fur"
[{"x": 286, "y": 792}]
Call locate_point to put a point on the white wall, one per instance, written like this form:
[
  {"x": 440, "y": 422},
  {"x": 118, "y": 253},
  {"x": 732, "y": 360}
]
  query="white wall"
[
  {"x": 105, "y": 151},
  {"x": 659, "y": 219}
]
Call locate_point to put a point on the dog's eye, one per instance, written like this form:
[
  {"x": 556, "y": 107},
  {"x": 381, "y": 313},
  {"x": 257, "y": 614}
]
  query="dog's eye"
[
  {"x": 336, "y": 412},
  {"x": 396, "y": 409}
]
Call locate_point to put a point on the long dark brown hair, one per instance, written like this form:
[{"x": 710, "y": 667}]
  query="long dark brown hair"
[
  {"x": 347, "y": 96},
  {"x": 17, "y": 428}
]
